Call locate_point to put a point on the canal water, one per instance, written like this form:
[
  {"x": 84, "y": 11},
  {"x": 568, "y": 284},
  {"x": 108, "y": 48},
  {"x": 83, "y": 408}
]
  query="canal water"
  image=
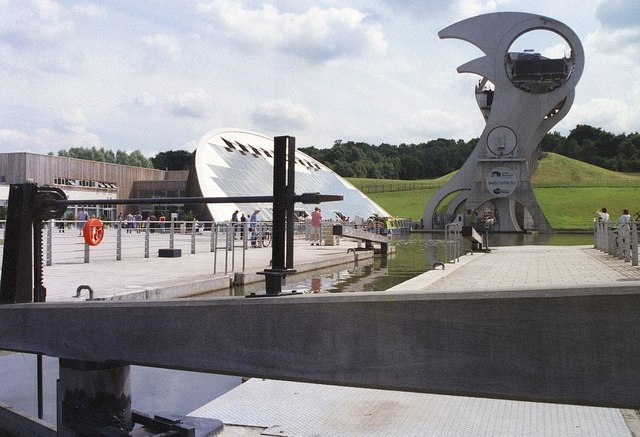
[{"x": 177, "y": 392}]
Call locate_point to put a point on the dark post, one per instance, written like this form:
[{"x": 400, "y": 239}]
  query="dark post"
[
  {"x": 17, "y": 260},
  {"x": 291, "y": 187},
  {"x": 279, "y": 201},
  {"x": 283, "y": 201}
]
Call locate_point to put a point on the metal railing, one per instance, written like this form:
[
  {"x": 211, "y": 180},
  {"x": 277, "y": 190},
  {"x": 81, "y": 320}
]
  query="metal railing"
[
  {"x": 64, "y": 244},
  {"x": 453, "y": 242},
  {"x": 619, "y": 239}
]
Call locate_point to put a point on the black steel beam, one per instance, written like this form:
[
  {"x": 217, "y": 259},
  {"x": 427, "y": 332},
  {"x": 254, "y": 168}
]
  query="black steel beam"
[
  {"x": 567, "y": 346},
  {"x": 17, "y": 274},
  {"x": 307, "y": 198}
]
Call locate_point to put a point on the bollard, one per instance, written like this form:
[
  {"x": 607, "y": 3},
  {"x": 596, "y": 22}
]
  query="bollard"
[{"x": 93, "y": 398}]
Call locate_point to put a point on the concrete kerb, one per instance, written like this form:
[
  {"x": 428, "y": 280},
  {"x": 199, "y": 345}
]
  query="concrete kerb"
[
  {"x": 253, "y": 277},
  {"x": 199, "y": 283}
]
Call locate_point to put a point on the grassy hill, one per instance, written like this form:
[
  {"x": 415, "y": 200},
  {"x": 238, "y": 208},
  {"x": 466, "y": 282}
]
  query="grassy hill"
[{"x": 569, "y": 192}]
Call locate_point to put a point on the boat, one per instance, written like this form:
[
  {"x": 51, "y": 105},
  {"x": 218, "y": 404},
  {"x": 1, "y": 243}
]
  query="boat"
[{"x": 388, "y": 225}]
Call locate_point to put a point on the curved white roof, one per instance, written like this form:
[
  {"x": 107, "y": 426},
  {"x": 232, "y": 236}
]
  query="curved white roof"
[{"x": 234, "y": 162}]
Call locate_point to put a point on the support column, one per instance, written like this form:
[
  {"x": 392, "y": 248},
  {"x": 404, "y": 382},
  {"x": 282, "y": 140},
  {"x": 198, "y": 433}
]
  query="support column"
[{"x": 93, "y": 396}]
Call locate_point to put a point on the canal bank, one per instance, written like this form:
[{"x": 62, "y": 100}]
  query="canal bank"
[{"x": 185, "y": 276}]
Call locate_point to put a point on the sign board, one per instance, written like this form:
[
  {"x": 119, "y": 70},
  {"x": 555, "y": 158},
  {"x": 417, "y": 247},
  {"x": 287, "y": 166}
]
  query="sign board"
[{"x": 502, "y": 181}]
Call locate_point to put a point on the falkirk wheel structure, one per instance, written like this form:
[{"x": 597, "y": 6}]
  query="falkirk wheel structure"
[{"x": 531, "y": 94}]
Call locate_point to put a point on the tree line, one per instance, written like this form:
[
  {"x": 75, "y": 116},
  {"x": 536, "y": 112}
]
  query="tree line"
[
  {"x": 428, "y": 160},
  {"x": 170, "y": 160}
]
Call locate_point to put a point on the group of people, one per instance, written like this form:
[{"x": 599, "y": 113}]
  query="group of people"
[
  {"x": 239, "y": 224},
  {"x": 254, "y": 219},
  {"x": 603, "y": 216},
  {"x": 133, "y": 222}
]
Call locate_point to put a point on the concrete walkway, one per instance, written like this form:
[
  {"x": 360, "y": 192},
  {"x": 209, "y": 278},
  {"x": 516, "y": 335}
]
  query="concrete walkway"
[
  {"x": 296, "y": 409},
  {"x": 188, "y": 275},
  {"x": 527, "y": 268}
]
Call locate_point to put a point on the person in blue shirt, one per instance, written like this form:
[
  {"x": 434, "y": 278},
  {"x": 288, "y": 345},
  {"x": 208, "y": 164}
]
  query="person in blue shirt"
[{"x": 253, "y": 225}]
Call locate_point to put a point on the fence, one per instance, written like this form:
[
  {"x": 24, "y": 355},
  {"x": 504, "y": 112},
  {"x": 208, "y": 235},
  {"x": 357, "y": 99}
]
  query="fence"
[
  {"x": 424, "y": 185},
  {"x": 619, "y": 239},
  {"x": 64, "y": 244},
  {"x": 400, "y": 186}
]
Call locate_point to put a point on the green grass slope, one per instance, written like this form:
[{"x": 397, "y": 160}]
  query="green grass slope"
[{"x": 569, "y": 192}]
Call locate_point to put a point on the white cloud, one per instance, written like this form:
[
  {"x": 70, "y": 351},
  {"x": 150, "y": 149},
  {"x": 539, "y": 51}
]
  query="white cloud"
[
  {"x": 68, "y": 129},
  {"x": 316, "y": 35},
  {"x": 623, "y": 43},
  {"x": 167, "y": 46},
  {"x": 281, "y": 115},
  {"x": 611, "y": 115},
  {"x": 435, "y": 123},
  {"x": 15, "y": 140},
  {"x": 32, "y": 23},
  {"x": 616, "y": 14},
  {"x": 190, "y": 104},
  {"x": 89, "y": 10}
]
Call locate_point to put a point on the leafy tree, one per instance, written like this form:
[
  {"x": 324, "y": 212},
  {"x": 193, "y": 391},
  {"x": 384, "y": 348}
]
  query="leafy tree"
[
  {"x": 173, "y": 160},
  {"x": 136, "y": 158}
]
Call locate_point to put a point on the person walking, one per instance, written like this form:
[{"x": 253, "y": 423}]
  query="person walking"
[
  {"x": 83, "y": 216},
  {"x": 243, "y": 221},
  {"x": 316, "y": 226},
  {"x": 234, "y": 223},
  {"x": 253, "y": 227}
]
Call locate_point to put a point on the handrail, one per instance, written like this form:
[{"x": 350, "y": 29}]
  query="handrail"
[
  {"x": 619, "y": 239},
  {"x": 140, "y": 239}
]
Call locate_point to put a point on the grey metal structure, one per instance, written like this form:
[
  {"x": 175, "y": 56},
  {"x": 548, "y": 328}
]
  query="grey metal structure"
[{"x": 531, "y": 95}]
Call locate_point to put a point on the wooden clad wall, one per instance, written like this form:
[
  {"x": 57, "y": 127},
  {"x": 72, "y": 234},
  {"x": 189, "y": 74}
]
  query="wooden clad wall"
[{"x": 42, "y": 169}]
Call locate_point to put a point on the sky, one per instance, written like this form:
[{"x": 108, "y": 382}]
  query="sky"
[{"x": 155, "y": 75}]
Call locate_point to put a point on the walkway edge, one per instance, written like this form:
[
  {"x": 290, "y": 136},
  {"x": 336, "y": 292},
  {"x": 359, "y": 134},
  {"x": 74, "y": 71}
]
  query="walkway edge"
[
  {"x": 423, "y": 281},
  {"x": 207, "y": 284}
]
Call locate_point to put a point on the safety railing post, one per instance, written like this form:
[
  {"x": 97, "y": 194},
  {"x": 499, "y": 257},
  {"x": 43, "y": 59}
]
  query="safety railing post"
[
  {"x": 119, "y": 241},
  {"x": 214, "y": 247},
  {"x": 626, "y": 242},
  {"x": 171, "y": 234},
  {"x": 245, "y": 227},
  {"x": 227, "y": 249},
  {"x": 146, "y": 239},
  {"x": 634, "y": 243},
  {"x": 194, "y": 229},
  {"x": 213, "y": 235}
]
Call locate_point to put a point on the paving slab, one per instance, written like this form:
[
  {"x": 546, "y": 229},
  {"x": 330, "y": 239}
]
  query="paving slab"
[{"x": 527, "y": 268}]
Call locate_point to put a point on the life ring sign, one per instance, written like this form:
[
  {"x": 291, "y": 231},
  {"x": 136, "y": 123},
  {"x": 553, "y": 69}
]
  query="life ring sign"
[{"x": 93, "y": 232}]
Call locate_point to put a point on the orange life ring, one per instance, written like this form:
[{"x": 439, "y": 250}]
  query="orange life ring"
[{"x": 93, "y": 232}]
